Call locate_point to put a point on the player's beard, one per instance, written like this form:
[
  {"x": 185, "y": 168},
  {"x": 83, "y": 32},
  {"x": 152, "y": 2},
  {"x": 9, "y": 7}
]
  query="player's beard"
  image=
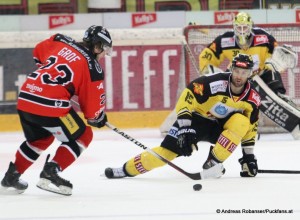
[{"x": 238, "y": 82}]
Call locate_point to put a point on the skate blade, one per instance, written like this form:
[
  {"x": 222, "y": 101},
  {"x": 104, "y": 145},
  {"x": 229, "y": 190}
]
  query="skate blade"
[
  {"x": 10, "y": 191},
  {"x": 46, "y": 185}
]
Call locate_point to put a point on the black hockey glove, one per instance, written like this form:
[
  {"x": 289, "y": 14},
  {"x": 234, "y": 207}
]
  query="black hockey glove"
[
  {"x": 249, "y": 165},
  {"x": 99, "y": 122},
  {"x": 187, "y": 140}
]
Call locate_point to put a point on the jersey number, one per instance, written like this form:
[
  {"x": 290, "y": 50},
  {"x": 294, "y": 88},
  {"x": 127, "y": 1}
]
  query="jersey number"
[{"x": 65, "y": 77}]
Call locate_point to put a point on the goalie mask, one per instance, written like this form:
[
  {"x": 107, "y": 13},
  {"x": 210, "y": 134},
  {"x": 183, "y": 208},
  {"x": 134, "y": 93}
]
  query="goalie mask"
[
  {"x": 98, "y": 34},
  {"x": 242, "y": 26}
]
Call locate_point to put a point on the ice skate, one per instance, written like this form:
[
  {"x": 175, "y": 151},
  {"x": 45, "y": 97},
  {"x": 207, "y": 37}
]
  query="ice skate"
[
  {"x": 52, "y": 182},
  {"x": 11, "y": 183},
  {"x": 115, "y": 173},
  {"x": 212, "y": 168}
]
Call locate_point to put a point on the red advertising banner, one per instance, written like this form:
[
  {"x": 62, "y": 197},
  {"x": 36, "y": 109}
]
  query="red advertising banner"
[
  {"x": 297, "y": 16},
  {"x": 138, "y": 19},
  {"x": 60, "y": 20},
  {"x": 142, "y": 77},
  {"x": 224, "y": 17}
]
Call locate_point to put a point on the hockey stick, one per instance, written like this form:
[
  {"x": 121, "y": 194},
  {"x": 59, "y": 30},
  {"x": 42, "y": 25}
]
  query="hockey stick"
[
  {"x": 280, "y": 171},
  {"x": 191, "y": 56},
  {"x": 194, "y": 176}
]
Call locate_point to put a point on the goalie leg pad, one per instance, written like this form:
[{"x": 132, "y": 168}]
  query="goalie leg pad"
[
  {"x": 234, "y": 129},
  {"x": 145, "y": 161}
]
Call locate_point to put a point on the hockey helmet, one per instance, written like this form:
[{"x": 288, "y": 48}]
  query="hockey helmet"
[
  {"x": 243, "y": 61},
  {"x": 242, "y": 26},
  {"x": 98, "y": 34}
]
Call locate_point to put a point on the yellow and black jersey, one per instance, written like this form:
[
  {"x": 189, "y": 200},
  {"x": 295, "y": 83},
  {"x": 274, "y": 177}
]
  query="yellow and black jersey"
[
  {"x": 224, "y": 48},
  {"x": 210, "y": 97}
]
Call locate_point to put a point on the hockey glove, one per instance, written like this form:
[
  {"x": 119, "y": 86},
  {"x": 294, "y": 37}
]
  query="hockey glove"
[
  {"x": 249, "y": 165},
  {"x": 99, "y": 122},
  {"x": 187, "y": 141}
]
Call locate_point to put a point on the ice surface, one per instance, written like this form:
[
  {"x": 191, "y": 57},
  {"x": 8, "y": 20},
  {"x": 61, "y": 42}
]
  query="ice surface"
[{"x": 161, "y": 194}]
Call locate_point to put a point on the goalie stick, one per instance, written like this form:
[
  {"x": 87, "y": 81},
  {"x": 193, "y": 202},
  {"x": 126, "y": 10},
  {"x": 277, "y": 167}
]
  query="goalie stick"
[{"x": 279, "y": 111}]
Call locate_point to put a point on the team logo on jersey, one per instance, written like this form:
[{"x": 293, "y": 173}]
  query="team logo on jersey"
[
  {"x": 58, "y": 103},
  {"x": 198, "y": 88},
  {"x": 260, "y": 39},
  {"x": 254, "y": 97},
  {"x": 218, "y": 86},
  {"x": 228, "y": 42}
]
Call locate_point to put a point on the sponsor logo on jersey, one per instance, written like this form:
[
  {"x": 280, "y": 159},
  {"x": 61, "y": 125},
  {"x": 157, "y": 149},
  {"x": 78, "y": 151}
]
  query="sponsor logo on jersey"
[
  {"x": 218, "y": 86},
  {"x": 142, "y": 19},
  {"x": 260, "y": 39},
  {"x": 60, "y": 20},
  {"x": 198, "y": 88},
  {"x": 228, "y": 42},
  {"x": 33, "y": 88},
  {"x": 224, "y": 17},
  {"x": 254, "y": 97}
]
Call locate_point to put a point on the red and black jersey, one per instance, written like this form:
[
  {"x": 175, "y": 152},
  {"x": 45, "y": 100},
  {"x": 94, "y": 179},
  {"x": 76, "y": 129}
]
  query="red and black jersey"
[{"x": 66, "y": 69}]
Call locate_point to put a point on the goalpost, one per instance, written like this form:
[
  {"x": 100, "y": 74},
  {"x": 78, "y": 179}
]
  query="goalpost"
[{"x": 199, "y": 36}]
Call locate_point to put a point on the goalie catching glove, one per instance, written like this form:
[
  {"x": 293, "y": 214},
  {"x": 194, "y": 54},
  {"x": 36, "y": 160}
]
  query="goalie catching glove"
[
  {"x": 187, "y": 140},
  {"x": 249, "y": 165},
  {"x": 98, "y": 122}
]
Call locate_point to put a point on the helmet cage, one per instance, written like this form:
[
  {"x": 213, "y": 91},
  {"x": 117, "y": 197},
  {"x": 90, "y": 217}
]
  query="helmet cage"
[{"x": 242, "y": 27}]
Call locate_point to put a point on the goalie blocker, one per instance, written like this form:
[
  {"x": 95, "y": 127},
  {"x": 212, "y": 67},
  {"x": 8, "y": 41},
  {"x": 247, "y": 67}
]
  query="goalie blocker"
[{"x": 283, "y": 114}]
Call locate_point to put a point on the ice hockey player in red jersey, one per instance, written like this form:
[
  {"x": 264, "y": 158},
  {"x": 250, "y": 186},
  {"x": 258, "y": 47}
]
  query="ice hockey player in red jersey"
[{"x": 66, "y": 69}]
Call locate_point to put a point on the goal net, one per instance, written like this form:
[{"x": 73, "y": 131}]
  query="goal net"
[{"x": 199, "y": 36}]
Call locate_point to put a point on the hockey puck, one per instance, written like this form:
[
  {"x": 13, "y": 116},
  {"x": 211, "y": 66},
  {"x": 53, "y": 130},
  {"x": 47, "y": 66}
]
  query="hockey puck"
[{"x": 197, "y": 187}]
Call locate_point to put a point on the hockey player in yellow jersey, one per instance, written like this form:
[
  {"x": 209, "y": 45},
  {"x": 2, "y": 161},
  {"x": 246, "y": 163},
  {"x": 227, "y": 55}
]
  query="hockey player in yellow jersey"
[
  {"x": 220, "y": 108},
  {"x": 246, "y": 39}
]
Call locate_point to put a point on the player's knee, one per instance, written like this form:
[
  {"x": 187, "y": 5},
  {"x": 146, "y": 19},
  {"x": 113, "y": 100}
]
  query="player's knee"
[
  {"x": 80, "y": 144},
  {"x": 43, "y": 143},
  {"x": 237, "y": 124},
  {"x": 86, "y": 138}
]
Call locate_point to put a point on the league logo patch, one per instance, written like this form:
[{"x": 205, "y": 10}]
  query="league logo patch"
[
  {"x": 221, "y": 110},
  {"x": 198, "y": 88}
]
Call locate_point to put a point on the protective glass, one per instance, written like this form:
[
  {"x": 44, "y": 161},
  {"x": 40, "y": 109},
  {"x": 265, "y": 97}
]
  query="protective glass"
[{"x": 108, "y": 50}]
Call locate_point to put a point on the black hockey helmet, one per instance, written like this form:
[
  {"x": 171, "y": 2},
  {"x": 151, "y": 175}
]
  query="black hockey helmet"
[
  {"x": 243, "y": 61},
  {"x": 98, "y": 34}
]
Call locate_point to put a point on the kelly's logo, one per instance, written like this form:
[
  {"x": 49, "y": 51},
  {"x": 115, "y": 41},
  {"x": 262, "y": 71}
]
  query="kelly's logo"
[
  {"x": 60, "y": 20},
  {"x": 142, "y": 19},
  {"x": 222, "y": 17}
]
